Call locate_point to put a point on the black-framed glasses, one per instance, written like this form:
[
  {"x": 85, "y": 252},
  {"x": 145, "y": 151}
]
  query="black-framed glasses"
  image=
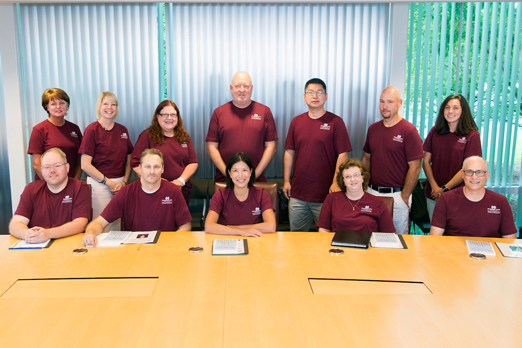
[{"x": 479, "y": 173}]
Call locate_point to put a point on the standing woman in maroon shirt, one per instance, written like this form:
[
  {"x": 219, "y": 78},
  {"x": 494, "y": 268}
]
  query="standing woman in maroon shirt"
[
  {"x": 55, "y": 131},
  {"x": 167, "y": 134},
  {"x": 106, "y": 152},
  {"x": 454, "y": 138}
]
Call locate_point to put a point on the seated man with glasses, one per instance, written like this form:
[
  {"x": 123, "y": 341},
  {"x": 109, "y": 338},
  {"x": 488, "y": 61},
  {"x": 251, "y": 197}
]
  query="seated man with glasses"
[
  {"x": 473, "y": 210},
  {"x": 241, "y": 125},
  {"x": 56, "y": 207}
]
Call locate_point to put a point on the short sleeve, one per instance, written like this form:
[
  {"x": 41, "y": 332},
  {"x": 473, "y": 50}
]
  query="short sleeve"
[
  {"x": 413, "y": 145},
  {"x": 88, "y": 145},
  {"x": 270, "y": 127},
  {"x": 266, "y": 201},
  {"x": 507, "y": 224},
  {"x": 116, "y": 207},
  {"x": 213, "y": 129},
  {"x": 82, "y": 205},
  {"x": 217, "y": 202},
  {"x": 385, "y": 222},
  {"x": 25, "y": 206},
  {"x": 289, "y": 143},
  {"x": 192, "y": 157},
  {"x": 427, "y": 146},
  {"x": 325, "y": 217},
  {"x": 342, "y": 140},
  {"x": 473, "y": 147},
  {"x": 36, "y": 141},
  {"x": 439, "y": 213},
  {"x": 142, "y": 143}
]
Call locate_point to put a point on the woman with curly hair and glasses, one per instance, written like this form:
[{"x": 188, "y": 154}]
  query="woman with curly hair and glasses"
[
  {"x": 167, "y": 134},
  {"x": 353, "y": 208}
]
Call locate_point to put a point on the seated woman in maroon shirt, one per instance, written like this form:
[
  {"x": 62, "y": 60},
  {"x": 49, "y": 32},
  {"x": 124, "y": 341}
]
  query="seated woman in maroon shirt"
[
  {"x": 352, "y": 208},
  {"x": 167, "y": 134},
  {"x": 240, "y": 208}
]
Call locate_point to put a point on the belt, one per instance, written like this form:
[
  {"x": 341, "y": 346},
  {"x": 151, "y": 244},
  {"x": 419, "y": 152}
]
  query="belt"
[{"x": 384, "y": 189}]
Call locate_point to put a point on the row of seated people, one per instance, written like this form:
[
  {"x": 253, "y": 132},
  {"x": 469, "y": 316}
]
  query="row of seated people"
[
  {"x": 393, "y": 149},
  {"x": 60, "y": 206}
]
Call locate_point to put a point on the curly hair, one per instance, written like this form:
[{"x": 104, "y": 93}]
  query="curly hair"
[
  {"x": 352, "y": 163},
  {"x": 156, "y": 133},
  {"x": 465, "y": 124}
]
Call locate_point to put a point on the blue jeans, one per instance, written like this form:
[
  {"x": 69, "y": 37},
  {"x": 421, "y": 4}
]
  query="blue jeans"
[{"x": 301, "y": 214}]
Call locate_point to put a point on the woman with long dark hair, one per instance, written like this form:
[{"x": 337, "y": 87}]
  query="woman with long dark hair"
[{"x": 454, "y": 138}]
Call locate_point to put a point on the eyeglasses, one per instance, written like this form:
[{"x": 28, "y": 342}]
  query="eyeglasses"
[
  {"x": 169, "y": 115},
  {"x": 355, "y": 176},
  {"x": 479, "y": 173},
  {"x": 56, "y": 166},
  {"x": 245, "y": 87},
  {"x": 319, "y": 93}
]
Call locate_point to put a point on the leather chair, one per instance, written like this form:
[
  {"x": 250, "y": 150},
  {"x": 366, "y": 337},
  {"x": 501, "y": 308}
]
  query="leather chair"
[
  {"x": 389, "y": 203},
  {"x": 270, "y": 187}
]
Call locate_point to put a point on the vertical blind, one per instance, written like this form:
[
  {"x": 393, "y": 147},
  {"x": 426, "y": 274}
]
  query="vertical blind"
[
  {"x": 281, "y": 46},
  {"x": 473, "y": 49},
  {"x": 189, "y": 52},
  {"x": 87, "y": 49},
  {"x": 5, "y": 184}
]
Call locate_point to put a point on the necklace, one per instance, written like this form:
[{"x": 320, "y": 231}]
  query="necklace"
[{"x": 353, "y": 206}]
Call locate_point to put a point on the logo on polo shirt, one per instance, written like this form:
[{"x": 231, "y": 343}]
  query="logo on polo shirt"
[
  {"x": 74, "y": 135},
  {"x": 67, "y": 199},
  {"x": 256, "y": 211},
  {"x": 184, "y": 145},
  {"x": 167, "y": 200},
  {"x": 462, "y": 140},
  {"x": 325, "y": 126},
  {"x": 398, "y": 138},
  {"x": 493, "y": 210},
  {"x": 367, "y": 209},
  {"x": 256, "y": 117},
  {"x": 124, "y": 136}
]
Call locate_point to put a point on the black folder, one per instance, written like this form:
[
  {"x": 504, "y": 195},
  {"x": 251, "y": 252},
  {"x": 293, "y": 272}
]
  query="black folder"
[{"x": 351, "y": 238}]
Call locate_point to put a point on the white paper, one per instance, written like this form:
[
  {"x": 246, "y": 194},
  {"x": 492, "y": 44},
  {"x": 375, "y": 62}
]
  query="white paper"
[
  {"x": 480, "y": 247},
  {"x": 142, "y": 237},
  {"x": 385, "y": 240}
]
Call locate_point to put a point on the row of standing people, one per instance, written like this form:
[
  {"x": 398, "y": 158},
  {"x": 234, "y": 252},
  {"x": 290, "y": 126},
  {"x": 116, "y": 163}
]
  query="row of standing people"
[{"x": 316, "y": 145}]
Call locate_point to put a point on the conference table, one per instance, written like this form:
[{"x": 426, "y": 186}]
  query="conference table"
[{"x": 289, "y": 291}]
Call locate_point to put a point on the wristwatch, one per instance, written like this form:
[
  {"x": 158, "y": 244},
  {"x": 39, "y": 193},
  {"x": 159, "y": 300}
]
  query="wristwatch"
[{"x": 444, "y": 188}]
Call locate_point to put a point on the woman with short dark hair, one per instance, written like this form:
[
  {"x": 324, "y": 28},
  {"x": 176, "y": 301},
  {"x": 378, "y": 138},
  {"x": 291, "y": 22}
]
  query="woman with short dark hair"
[{"x": 55, "y": 131}]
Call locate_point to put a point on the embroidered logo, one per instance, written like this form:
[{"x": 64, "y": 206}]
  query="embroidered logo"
[
  {"x": 67, "y": 199},
  {"x": 367, "y": 209},
  {"x": 398, "y": 138},
  {"x": 124, "y": 136},
  {"x": 74, "y": 135},
  {"x": 493, "y": 210},
  {"x": 256, "y": 117},
  {"x": 325, "y": 126},
  {"x": 256, "y": 211},
  {"x": 462, "y": 140},
  {"x": 167, "y": 200},
  {"x": 183, "y": 145}
]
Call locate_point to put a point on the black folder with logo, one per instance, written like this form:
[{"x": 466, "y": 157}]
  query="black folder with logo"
[{"x": 351, "y": 238}]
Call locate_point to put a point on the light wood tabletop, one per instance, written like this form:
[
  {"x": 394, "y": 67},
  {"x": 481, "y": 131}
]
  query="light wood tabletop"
[{"x": 288, "y": 292}]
